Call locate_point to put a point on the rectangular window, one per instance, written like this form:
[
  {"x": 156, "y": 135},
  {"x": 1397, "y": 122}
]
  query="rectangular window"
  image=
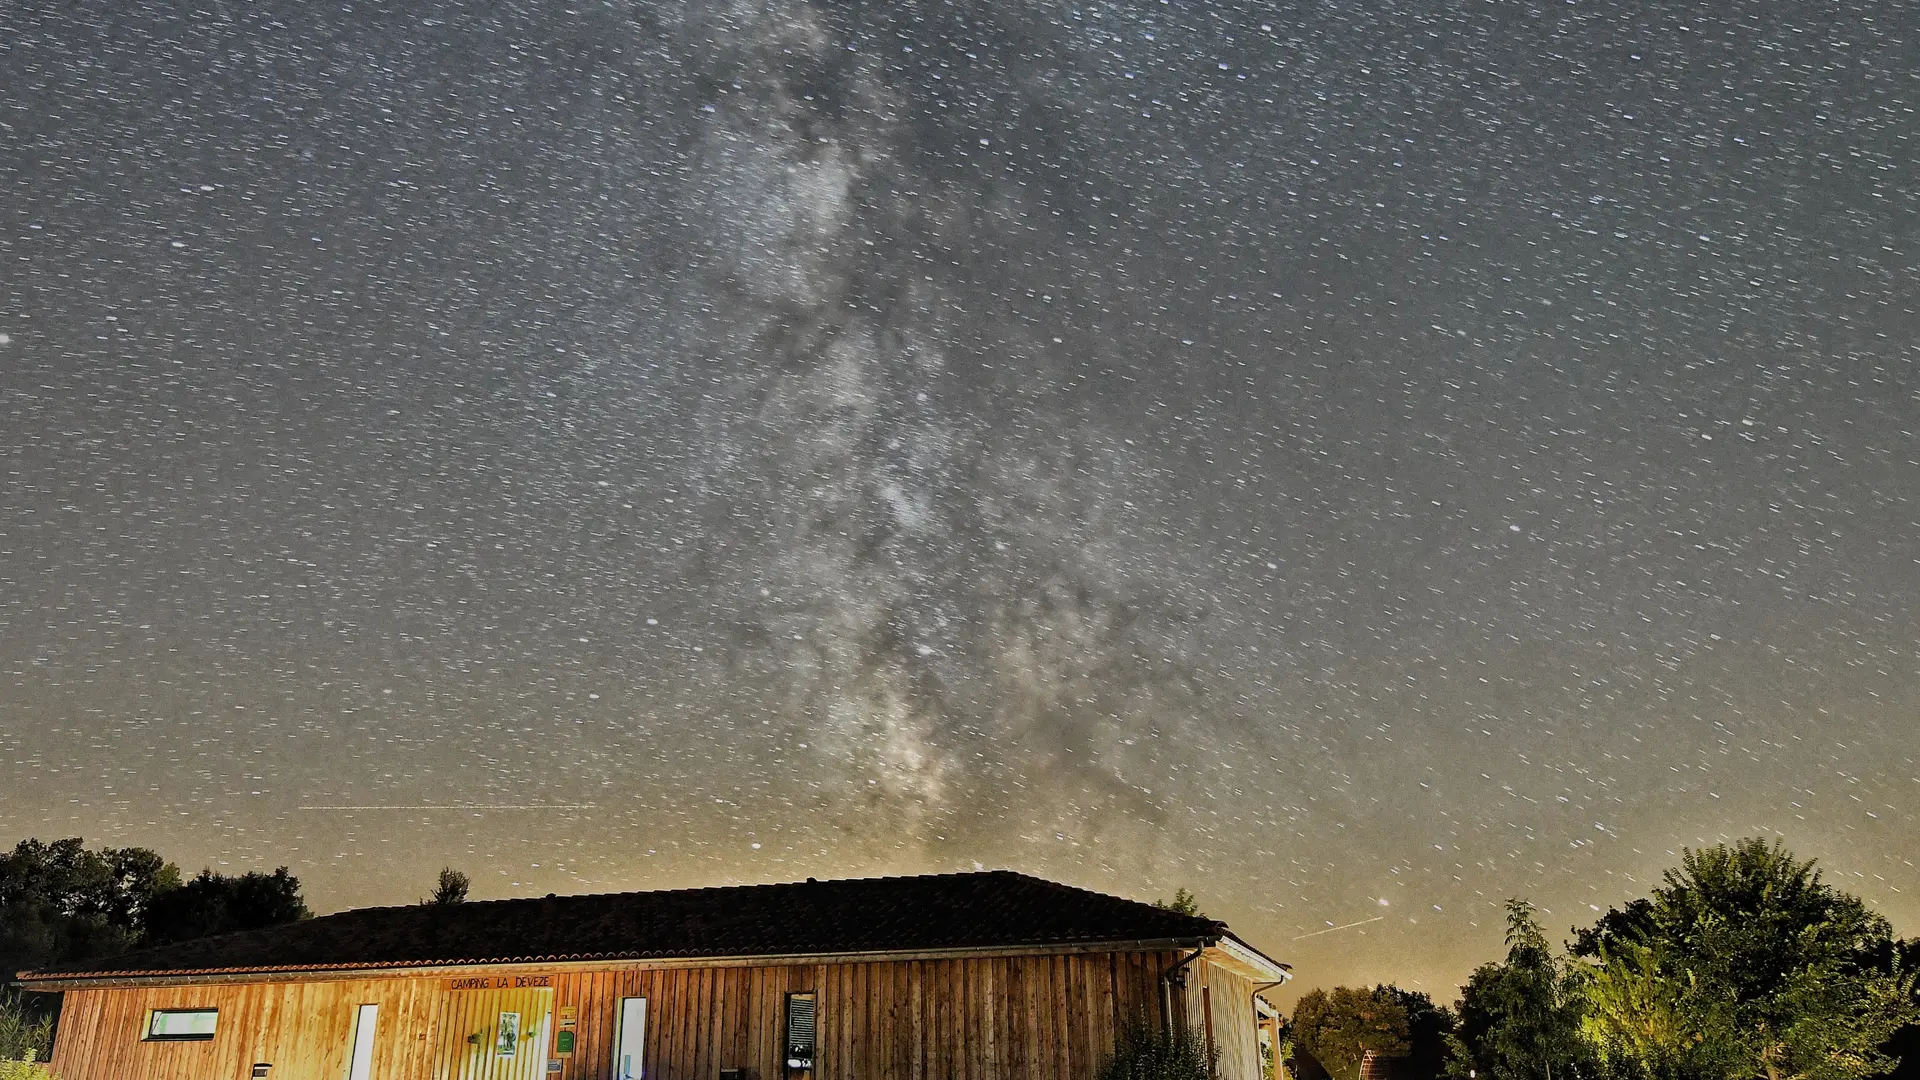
[
  {"x": 360, "y": 1064},
  {"x": 181, "y": 1025},
  {"x": 801, "y": 1029}
]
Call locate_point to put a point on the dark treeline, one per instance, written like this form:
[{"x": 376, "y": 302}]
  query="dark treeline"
[
  {"x": 1743, "y": 965},
  {"x": 61, "y": 901}
]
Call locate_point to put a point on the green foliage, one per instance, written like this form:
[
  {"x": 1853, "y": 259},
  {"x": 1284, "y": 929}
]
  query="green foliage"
[
  {"x": 217, "y": 904},
  {"x": 1338, "y": 1027},
  {"x": 23, "y": 1035},
  {"x": 1521, "y": 1019},
  {"x": 59, "y": 901},
  {"x": 1745, "y": 964},
  {"x": 1183, "y": 903},
  {"x": 1634, "y": 1013},
  {"x": 450, "y": 888},
  {"x": 1143, "y": 1052},
  {"x": 1631, "y": 923},
  {"x": 1428, "y": 1026},
  {"x": 1742, "y": 965},
  {"x": 24, "y": 1070}
]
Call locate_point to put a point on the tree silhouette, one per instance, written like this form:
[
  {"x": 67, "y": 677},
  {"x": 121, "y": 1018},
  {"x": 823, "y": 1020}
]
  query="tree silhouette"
[{"x": 450, "y": 888}]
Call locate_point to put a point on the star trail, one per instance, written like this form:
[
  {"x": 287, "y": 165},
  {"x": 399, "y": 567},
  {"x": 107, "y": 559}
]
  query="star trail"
[{"x": 1359, "y": 462}]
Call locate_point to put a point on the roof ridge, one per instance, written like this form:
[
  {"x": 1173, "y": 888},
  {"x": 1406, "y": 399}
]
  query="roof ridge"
[
  {"x": 1061, "y": 886},
  {"x": 695, "y": 889}
]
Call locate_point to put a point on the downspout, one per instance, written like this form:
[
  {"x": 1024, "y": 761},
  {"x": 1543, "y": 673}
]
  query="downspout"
[
  {"x": 1265, "y": 986},
  {"x": 1256, "y": 994},
  {"x": 1166, "y": 986}
]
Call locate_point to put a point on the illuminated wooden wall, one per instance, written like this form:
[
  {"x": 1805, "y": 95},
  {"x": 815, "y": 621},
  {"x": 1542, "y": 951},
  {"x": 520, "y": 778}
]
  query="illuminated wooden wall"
[{"x": 986, "y": 1018}]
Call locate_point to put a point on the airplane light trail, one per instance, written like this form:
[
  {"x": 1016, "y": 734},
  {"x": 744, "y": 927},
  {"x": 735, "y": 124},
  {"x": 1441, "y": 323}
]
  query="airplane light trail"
[
  {"x": 1343, "y": 926},
  {"x": 460, "y": 806}
]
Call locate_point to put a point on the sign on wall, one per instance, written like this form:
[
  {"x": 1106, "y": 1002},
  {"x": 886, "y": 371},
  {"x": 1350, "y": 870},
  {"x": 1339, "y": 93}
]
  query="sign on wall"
[
  {"x": 499, "y": 982},
  {"x": 507, "y": 1038}
]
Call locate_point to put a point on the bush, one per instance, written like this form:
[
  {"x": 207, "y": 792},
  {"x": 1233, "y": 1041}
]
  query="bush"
[
  {"x": 25, "y": 1070},
  {"x": 22, "y": 1036},
  {"x": 1142, "y": 1052}
]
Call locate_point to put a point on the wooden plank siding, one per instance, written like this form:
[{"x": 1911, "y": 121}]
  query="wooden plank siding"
[
  {"x": 975, "y": 1018},
  {"x": 1234, "y": 1024}
]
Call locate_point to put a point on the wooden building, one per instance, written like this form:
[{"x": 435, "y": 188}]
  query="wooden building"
[{"x": 947, "y": 977}]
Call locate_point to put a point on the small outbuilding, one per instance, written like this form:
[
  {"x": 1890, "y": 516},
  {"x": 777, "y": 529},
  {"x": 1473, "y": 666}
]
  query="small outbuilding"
[{"x": 938, "y": 977}]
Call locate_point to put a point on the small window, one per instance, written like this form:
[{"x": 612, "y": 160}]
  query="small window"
[
  {"x": 181, "y": 1025},
  {"x": 800, "y": 1033}
]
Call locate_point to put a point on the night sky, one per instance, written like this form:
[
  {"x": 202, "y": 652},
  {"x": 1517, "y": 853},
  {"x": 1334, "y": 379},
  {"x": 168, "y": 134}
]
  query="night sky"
[{"x": 1357, "y": 460}]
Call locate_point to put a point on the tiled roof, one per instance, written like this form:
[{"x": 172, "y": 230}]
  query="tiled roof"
[{"x": 990, "y": 910}]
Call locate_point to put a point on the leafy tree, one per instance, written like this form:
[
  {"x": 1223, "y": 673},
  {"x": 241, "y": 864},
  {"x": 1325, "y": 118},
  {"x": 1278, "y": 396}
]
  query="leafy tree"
[
  {"x": 1521, "y": 1019},
  {"x": 1143, "y": 1052},
  {"x": 1635, "y": 1017},
  {"x": 1339, "y": 1027},
  {"x": 1631, "y": 923},
  {"x": 216, "y": 904},
  {"x": 112, "y": 885},
  {"x": 451, "y": 888},
  {"x": 1428, "y": 1026},
  {"x": 1183, "y": 903},
  {"x": 60, "y": 901},
  {"x": 1904, "y": 1045},
  {"x": 1746, "y": 965}
]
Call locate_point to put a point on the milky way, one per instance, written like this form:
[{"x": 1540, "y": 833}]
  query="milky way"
[{"x": 1352, "y": 460}]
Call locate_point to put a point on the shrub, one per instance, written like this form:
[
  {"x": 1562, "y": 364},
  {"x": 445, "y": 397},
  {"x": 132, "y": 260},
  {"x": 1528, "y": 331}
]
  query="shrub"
[
  {"x": 1142, "y": 1052},
  {"x": 22, "y": 1036}
]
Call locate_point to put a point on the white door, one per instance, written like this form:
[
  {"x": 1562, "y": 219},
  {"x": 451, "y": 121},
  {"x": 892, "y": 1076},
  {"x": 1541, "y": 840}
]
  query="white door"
[
  {"x": 630, "y": 1043},
  {"x": 360, "y": 1065}
]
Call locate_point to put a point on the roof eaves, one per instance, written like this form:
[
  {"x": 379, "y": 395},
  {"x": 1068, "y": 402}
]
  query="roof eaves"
[
  {"x": 1266, "y": 967},
  {"x": 72, "y": 980}
]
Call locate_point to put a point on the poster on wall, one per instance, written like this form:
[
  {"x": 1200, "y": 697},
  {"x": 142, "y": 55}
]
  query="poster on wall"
[{"x": 507, "y": 1036}]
